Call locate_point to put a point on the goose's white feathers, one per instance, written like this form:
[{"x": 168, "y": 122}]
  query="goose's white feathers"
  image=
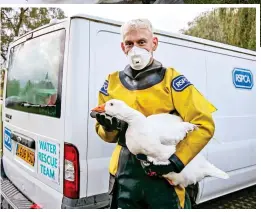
[
  {"x": 170, "y": 128},
  {"x": 157, "y": 136}
]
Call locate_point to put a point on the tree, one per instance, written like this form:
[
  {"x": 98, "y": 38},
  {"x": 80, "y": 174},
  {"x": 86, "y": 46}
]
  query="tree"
[
  {"x": 18, "y": 21},
  {"x": 234, "y": 26}
]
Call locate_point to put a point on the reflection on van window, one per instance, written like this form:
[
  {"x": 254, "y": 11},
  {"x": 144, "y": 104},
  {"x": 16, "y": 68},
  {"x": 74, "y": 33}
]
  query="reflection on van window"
[{"x": 34, "y": 75}]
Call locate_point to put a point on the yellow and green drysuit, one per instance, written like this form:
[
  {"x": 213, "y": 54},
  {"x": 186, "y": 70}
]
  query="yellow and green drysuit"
[{"x": 154, "y": 90}]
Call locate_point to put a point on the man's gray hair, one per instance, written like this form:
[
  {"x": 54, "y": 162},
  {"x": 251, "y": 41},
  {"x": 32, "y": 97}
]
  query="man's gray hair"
[{"x": 136, "y": 24}]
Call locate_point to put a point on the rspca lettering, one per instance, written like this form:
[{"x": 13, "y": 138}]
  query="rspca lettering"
[
  {"x": 48, "y": 160},
  {"x": 242, "y": 78},
  {"x": 180, "y": 83}
]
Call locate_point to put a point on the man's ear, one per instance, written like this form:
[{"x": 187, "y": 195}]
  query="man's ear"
[
  {"x": 123, "y": 47},
  {"x": 155, "y": 43}
]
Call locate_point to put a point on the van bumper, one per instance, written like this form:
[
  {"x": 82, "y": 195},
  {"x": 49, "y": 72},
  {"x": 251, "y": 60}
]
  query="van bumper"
[
  {"x": 93, "y": 202},
  {"x": 11, "y": 197},
  {"x": 16, "y": 200}
]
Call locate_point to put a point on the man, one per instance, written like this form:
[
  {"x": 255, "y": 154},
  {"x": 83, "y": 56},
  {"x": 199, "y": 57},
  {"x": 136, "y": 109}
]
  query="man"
[{"x": 147, "y": 86}]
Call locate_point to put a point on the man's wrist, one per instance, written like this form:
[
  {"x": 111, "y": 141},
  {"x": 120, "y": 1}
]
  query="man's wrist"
[{"x": 177, "y": 164}]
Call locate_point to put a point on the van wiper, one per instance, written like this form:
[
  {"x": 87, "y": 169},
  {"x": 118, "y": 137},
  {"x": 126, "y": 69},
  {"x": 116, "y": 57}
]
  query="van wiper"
[{"x": 27, "y": 104}]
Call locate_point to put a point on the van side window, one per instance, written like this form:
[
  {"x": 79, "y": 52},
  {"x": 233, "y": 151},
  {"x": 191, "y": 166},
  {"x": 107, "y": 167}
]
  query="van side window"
[{"x": 34, "y": 82}]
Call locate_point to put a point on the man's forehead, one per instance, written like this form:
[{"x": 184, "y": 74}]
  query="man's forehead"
[{"x": 136, "y": 34}]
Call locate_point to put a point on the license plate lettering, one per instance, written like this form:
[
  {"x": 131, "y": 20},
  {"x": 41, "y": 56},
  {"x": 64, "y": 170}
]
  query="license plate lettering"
[{"x": 26, "y": 154}]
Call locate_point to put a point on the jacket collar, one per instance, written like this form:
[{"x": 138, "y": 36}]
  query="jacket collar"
[{"x": 156, "y": 65}]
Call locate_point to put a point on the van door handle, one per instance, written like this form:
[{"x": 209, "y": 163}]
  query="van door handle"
[{"x": 22, "y": 139}]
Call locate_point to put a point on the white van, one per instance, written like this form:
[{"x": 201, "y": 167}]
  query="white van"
[{"x": 52, "y": 155}]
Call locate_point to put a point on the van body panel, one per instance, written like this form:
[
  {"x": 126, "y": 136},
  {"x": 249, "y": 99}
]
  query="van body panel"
[
  {"x": 105, "y": 58},
  {"x": 76, "y": 116},
  {"x": 46, "y": 175},
  {"x": 239, "y": 179},
  {"x": 236, "y": 116}
]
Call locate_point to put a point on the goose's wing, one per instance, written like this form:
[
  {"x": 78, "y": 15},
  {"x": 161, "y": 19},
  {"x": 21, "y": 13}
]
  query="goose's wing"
[
  {"x": 196, "y": 170},
  {"x": 170, "y": 128},
  {"x": 199, "y": 168}
]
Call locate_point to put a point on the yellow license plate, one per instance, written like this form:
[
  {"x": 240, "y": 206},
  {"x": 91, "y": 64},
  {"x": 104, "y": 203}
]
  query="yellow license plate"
[{"x": 26, "y": 154}]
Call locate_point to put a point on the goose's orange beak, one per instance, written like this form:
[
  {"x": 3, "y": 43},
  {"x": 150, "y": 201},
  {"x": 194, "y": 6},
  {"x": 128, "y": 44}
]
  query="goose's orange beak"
[{"x": 99, "y": 109}]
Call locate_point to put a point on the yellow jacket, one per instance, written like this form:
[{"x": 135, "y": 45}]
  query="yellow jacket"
[{"x": 173, "y": 92}]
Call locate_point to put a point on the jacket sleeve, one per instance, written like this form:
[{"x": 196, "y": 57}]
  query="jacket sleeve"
[
  {"x": 103, "y": 97},
  {"x": 193, "y": 108}
]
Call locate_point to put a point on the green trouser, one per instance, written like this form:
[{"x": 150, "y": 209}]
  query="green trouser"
[{"x": 132, "y": 188}]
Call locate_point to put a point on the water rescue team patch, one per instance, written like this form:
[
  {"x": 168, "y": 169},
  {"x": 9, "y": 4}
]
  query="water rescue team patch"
[
  {"x": 179, "y": 83},
  {"x": 104, "y": 88}
]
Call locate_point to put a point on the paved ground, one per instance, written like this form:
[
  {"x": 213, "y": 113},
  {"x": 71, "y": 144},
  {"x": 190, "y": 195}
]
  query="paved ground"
[{"x": 243, "y": 199}]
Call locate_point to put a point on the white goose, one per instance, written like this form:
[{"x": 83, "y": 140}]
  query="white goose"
[{"x": 157, "y": 136}]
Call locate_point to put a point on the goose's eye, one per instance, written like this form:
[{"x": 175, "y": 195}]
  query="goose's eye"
[{"x": 111, "y": 104}]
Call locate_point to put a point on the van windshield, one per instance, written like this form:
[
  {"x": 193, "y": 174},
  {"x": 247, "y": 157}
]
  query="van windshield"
[{"x": 34, "y": 78}]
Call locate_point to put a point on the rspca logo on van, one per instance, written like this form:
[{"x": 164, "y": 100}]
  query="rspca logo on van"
[
  {"x": 242, "y": 78},
  {"x": 180, "y": 83},
  {"x": 7, "y": 139}
]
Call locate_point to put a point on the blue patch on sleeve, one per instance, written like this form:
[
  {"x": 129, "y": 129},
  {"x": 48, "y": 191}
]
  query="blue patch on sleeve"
[
  {"x": 104, "y": 88},
  {"x": 179, "y": 83}
]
